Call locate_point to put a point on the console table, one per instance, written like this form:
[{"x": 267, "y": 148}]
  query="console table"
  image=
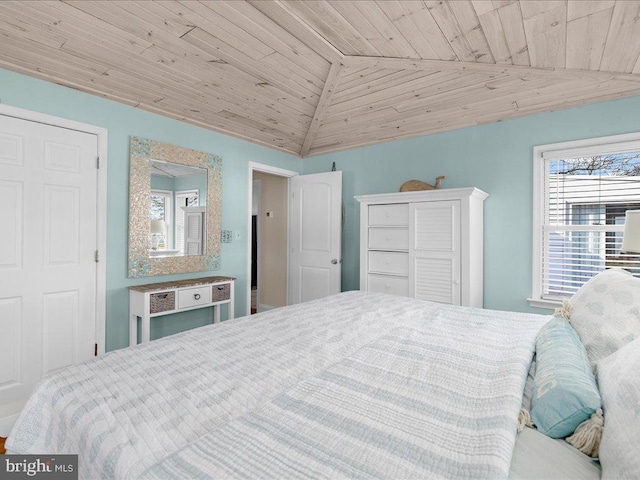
[{"x": 166, "y": 298}]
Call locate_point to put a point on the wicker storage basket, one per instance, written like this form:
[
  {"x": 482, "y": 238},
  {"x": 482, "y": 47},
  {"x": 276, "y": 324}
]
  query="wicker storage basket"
[
  {"x": 221, "y": 292},
  {"x": 162, "y": 301}
]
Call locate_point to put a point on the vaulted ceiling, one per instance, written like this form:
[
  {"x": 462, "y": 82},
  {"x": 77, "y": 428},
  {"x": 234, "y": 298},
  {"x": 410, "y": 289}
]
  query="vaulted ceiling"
[{"x": 311, "y": 77}]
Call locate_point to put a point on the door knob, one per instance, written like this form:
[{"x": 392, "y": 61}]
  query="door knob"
[{"x": 334, "y": 261}]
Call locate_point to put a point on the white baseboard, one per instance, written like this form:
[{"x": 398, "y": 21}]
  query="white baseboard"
[
  {"x": 6, "y": 424},
  {"x": 263, "y": 308},
  {"x": 8, "y": 416}
]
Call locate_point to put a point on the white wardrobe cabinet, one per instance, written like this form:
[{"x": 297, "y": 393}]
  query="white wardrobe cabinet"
[{"x": 425, "y": 245}]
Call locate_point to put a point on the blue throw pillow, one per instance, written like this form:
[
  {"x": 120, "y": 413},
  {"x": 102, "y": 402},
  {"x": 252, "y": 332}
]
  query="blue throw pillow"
[{"x": 565, "y": 393}]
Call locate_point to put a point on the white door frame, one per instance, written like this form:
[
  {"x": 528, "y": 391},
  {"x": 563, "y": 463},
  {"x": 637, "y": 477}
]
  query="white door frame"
[
  {"x": 256, "y": 183},
  {"x": 101, "y": 214},
  {"x": 280, "y": 172},
  {"x": 180, "y": 212}
]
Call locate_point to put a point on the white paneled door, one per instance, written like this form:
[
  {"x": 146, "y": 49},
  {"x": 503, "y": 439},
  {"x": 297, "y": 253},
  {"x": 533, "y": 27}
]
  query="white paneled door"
[
  {"x": 48, "y": 238},
  {"x": 315, "y": 231}
]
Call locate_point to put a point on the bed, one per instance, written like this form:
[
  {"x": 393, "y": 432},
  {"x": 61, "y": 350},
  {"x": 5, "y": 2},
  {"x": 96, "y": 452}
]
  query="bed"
[{"x": 357, "y": 385}]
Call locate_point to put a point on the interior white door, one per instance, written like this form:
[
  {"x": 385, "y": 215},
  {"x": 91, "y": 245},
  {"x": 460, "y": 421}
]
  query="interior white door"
[
  {"x": 315, "y": 230},
  {"x": 48, "y": 201}
]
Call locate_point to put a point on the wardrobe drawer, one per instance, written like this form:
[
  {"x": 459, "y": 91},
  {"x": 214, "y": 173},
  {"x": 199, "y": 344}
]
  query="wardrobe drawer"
[
  {"x": 389, "y": 215},
  {"x": 391, "y": 285},
  {"x": 389, "y": 238},
  {"x": 389, "y": 262},
  {"x": 192, "y": 297}
]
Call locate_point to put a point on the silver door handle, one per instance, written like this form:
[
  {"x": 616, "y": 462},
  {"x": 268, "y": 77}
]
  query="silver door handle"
[{"x": 334, "y": 261}]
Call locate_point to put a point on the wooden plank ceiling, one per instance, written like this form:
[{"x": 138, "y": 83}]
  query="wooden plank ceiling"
[{"x": 312, "y": 77}]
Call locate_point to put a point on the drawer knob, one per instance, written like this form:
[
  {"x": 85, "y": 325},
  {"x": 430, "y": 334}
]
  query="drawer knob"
[
  {"x": 388, "y": 262},
  {"x": 196, "y": 296}
]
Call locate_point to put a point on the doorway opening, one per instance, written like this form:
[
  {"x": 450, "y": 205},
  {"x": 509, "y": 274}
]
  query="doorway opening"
[{"x": 268, "y": 245}]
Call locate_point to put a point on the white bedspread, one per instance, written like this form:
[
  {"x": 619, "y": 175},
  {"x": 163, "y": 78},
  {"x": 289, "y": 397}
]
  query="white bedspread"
[{"x": 356, "y": 385}]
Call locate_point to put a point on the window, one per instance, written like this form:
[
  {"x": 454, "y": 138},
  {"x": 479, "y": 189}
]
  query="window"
[
  {"x": 162, "y": 209},
  {"x": 581, "y": 193}
]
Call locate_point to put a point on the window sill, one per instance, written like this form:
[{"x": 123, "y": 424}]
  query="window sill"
[
  {"x": 166, "y": 252},
  {"x": 548, "y": 304}
]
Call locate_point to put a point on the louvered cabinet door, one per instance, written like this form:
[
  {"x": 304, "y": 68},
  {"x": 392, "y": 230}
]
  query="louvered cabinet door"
[
  {"x": 434, "y": 251},
  {"x": 194, "y": 230}
]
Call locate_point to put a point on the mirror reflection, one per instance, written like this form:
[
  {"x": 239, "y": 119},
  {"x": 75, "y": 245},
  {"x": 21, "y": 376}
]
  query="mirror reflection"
[
  {"x": 181, "y": 232},
  {"x": 177, "y": 214}
]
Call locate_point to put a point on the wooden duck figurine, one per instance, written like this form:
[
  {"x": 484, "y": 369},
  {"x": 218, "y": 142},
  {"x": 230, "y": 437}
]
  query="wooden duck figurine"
[{"x": 417, "y": 185}]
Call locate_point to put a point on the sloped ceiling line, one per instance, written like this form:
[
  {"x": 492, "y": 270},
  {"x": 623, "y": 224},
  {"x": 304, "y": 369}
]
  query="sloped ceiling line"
[
  {"x": 333, "y": 79},
  {"x": 419, "y": 64}
]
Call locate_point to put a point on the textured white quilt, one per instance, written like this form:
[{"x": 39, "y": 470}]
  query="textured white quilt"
[{"x": 356, "y": 385}]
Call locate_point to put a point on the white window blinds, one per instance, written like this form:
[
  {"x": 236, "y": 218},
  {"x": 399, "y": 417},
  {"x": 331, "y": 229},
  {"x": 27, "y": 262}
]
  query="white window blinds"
[{"x": 585, "y": 200}]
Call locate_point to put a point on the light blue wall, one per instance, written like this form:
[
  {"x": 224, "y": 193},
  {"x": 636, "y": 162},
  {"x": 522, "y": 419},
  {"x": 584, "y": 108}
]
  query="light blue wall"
[
  {"x": 159, "y": 182},
  {"x": 194, "y": 182},
  {"x": 123, "y": 121},
  {"x": 496, "y": 158}
]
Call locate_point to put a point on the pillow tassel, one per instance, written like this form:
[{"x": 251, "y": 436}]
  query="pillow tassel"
[
  {"x": 565, "y": 310},
  {"x": 524, "y": 420},
  {"x": 587, "y": 436}
]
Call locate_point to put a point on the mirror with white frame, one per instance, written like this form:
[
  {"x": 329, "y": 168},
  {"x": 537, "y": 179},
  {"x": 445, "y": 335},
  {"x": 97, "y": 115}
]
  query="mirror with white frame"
[{"x": 174, "y": 209}]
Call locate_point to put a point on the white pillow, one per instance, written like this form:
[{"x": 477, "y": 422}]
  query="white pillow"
[
  {"x": 619, "y": 382},
  {"x": 606, "y": 312}
]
